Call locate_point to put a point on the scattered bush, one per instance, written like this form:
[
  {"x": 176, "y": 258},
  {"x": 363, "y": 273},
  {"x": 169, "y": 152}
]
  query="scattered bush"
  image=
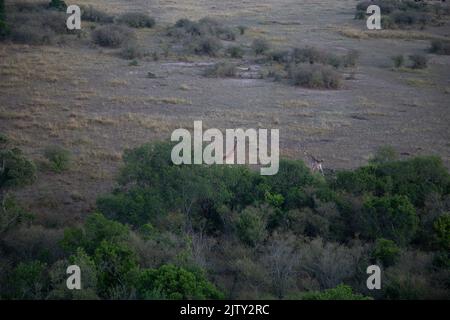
[
  {"x": 206, "y": 27},
  {"x": 205, "y": 46},
  {"x": 89, "y": 13},
  {"x": 235, "y": 52},
  {"x": 419, "y": 61},
  {"x": 112, "y": 36},
  {"x": 221, "y": 70},
  {"x": 315, "y": 76},
  {"x": 15, "y": 169},
  {"x": 136, "y": 20},
  {"x": 260, "y": 46},
  {"x": 442, "y": 231},
  {"x": 58, "y": 157},
  {"x": 398, "y": 60},
  {"x": 440, "y": 47},
  {"x": 384, "y": 154},
  {"x": 3, "y": 26},
  {"x": 341, "y": 292},
  {"x": 132, "y": 51}
]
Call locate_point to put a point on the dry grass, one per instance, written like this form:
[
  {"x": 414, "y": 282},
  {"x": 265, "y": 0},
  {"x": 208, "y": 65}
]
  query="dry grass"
[
  {"x": 296, "y": 104},
  {"x": 355, "y": 33}
]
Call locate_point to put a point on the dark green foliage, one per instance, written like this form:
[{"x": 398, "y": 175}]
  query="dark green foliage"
[
  {"x": 58, "y": 157},
  {"x": 341, "y": 292},
  {"x": 390, "y": 217},
  {"x": 28, "y": 281},
  {"x": 15, "y": 169},
  {"x": 442, "y": 231},
  {"x": 405, "y": 13},
  {"x": 131, "y": 51},
  {"x": 251, "y": 226},
  {"x": 136, "y": 20},
  {"x": 58, "y": 5},
  {"x": 386, "y": 252},
  {"x": 3, "y": 26},
  {"x": 415, "y": 178},
  {"x": 172, "y": 282}
]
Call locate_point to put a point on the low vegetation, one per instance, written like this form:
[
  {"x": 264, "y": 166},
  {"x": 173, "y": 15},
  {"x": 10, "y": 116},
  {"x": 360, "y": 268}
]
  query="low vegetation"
[
  {"x": 136, "y": 20},
  {"x": 163, "y": 232},
  {"x": 406, "y": 13}
]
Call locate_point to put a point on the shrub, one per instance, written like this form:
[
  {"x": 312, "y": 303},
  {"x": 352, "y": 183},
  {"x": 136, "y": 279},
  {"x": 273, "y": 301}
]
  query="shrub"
[
  {"x": 315, "y": 76},
  {"x": 442, "y": 231},
  {"x": 390, "y": 217},
  {"x": 235, "y": 52},
  {"x": 440, "y": 47},
  {"x": 3, "y": 27},
  {"x": 58, "y": 4},
  {"x": 341, "y": 292},
  {"x": 242, "y": 29},
  {"x": 16, "y": 169},
  {"x": 260, "y": 46},
  {"x": 419, "y": 61},
  {"x": 112, "y": 36},
  {"x": 131, "y": 51},
  {"x": 386, "y": 252},
  {"x": 172, "y": 282},
  {"x": 221, "y": 70},
  {"x": 398, "y": 60},
  {"x": 136, "y": 20},
  {"x": 251, "y": 226},
  {"x": 58, "y": 157},
  {"x": 206, "y": 27},
  {"x": 206, "y": 46},
  {"x": 89, "y": 13},
  {"x": 384, "y": 154},
  {"x": 351, "y": 58}
]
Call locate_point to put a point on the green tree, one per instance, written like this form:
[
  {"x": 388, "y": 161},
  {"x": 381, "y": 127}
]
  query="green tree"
[
  {"x": 390, "y": 217},
  {"x": 386, "y": 252},
  {"x": 29, "y": 280},
  {"x": 341, "y": 292},
  {"x": 442, "y": 231},
  {"x": 251, "y": 226},
  {"x": 174, "y": 282}
]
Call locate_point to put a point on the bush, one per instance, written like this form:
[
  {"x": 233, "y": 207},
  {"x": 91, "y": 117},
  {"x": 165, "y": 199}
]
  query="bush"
[
  {"x": 205, "y": 46},
  {"x": 206, "y": 27},
  {"x": 15, "y": 169},
  {"x": 136, "y": 20},
  {"x": 251, "y": 226},
  {"x": 58, "y": 4},
  {"x": 442, "y": 231},
  {"x": 386, "y": 252},
  {"x": 260, "y": 46},
  {"x": 3, "y": 27},
  {"x": 398, "y": 60},
  {"x": 341, "y": 292},
  {"x": 384, "y": 154},
  {"x": 221, "y": 70},
  {"x": 131, "y": 51},
  {"x": 440, "y": 47},
  {"x": 172, "y": 282},
  {"x": 315, "y": 76},
  {"x": 89, "y": 13},
  {"x": 235, "y": 52},
  {"x": 112, "y": 36},
  {"x": 419, "y": 61},
  {"x": 390, "y": 217},
  {"x": 58, "y": 157}
]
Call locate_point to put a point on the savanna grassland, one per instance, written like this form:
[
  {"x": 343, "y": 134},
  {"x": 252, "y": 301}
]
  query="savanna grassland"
[{"x": 86, "y": 116}]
